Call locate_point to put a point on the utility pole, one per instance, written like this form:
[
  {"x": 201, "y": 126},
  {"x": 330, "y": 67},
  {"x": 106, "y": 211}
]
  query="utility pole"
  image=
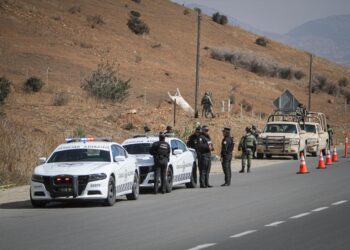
[
  {"x": 197, "y": 64},
  {"x": 310, "y": 83}
]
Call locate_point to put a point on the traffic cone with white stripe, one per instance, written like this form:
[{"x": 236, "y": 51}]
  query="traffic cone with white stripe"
[
  {"x": 335, "y": 155},
  {"x": 302, "y": 168},
  {"x": 328, "y": 158},
  {"x": 321, "y": 164}
]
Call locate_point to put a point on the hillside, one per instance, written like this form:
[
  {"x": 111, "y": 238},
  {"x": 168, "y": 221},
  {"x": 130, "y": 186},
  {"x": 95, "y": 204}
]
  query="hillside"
[{"x": 43, "y": 38}]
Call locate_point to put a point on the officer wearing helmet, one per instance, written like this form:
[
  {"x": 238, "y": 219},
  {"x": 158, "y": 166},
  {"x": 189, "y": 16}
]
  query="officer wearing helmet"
[
  {"x": 246, "y": 145},
  {"x": 207, "y": 104},
  {"x": 255, "y": 132},
  {"x": 227, "y": 146},
  {"x": 205, "y": 146},
  {"x": 161, "y": 153}
]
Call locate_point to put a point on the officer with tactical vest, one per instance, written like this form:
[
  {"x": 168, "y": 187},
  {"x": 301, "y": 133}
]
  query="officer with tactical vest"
[
  {"x": 255, "y": 132},
  {"x": 247, "y": 144},
  {"x": 227, "y": 146},
  {"x": 207, "y": 105},
  {"x": 161, "y": 153},
  {"x": 205, "y": 146},
  {"x": 330, "y": 136}
]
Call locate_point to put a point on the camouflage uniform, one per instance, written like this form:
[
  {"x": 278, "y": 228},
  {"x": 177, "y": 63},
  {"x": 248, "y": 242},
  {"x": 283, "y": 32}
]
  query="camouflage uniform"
[
  {"x": 207, "y": 105},
  {"x": 247, "y": 144},
  {"x": 330, "y": 136}
]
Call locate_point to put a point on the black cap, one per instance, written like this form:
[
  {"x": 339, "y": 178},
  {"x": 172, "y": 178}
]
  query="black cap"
[
  {"x": 226, "y": 130},
  {"x": 161, "y": 135},
  {"x": 169, "y": 127},
  {"x": 198, "y": 129},
  {"x": 205, "y": 128},
  {"x": 247, "y": 129}
]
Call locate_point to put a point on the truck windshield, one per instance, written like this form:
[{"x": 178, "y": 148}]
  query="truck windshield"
[
  {"x": 76, "y": 155},
  {"x": 138, "y": 149},
  {"x": 309, "y": 128},
  {"x": 281, "y": 128}
]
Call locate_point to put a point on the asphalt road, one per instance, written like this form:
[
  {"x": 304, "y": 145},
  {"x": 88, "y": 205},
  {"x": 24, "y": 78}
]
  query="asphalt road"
[{"x": 270, "y": 208}]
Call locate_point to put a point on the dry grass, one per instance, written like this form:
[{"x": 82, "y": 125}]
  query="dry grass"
[{"x": 20, "y": 148}]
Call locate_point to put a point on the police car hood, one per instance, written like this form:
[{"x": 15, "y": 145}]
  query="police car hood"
[
  {"x": 144, "y": 160},
  {"x": 71, "y": 168}
]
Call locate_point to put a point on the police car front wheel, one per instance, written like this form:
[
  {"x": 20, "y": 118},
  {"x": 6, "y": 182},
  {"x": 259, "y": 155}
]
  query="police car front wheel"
[{"x": 111, "y": 195}]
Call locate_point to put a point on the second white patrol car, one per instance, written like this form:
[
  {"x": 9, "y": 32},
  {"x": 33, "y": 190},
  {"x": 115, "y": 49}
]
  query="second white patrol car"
[
  {"x": 88, "y": 169},
  {"x": 181, "y": 164}
]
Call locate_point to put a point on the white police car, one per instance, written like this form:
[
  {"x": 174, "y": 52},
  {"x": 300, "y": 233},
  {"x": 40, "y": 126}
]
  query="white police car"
[
  {"x": 181, "y": 166},
  {"x": 88, "y": 169}
]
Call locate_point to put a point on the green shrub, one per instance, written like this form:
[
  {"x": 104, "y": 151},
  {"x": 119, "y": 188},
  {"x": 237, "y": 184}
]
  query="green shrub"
[
  {"x": 104, "y": 83},
  {"x": 343, "y": 82},
  {"x": 79, "y": 132},
  {"x": 137, "y": 26},
  {"x": 285, "y": 73},
  {"x": 74, "y": 9},
  {"x": 34, "y": 84},
  {"x": 298, "y": 74},
  {"x": 186, "y": 12},
  {"x": 220, "y": 19},
  {"x": 4, "y": 89},
  {"x": 136, "y": 1},
  {"x": 135, "y": 14},
  {"x": 262, "y": 41}
]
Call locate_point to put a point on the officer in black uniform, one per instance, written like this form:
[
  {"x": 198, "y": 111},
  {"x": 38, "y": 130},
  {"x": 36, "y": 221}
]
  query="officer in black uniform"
[
  {"x": 227, "y": 146},
  {"x": 205, "y": 147},
  {"x": 193, "y": 143},
  {"x": 161, "y": 153}
]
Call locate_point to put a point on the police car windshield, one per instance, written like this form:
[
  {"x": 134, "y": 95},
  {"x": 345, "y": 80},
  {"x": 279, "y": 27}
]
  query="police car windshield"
[
  {"x": 280, "y": 128},
  {"x": 138, "y": 149},
  {"x": 308, "y": 128},
  {"x": 76, "y": 155}
]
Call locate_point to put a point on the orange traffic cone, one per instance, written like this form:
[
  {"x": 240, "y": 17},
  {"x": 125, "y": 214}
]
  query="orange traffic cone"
[
  {"x": 328, "y": 158},
  {"x": 335, "y": 155},
  {"x": 321, "y": 164},
  {"x": 302, "y": 168}
]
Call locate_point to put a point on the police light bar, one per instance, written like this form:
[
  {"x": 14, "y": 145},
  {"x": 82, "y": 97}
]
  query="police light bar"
[{"x": 88, "y": 139}]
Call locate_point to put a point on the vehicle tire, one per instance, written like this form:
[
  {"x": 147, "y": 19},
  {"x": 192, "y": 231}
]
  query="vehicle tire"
[
  {"x": 192, "y": 183},
  {"x": 135, "y": 189},
  {"x": 296, "y": 157},
  {"x": 111, "y": 195},
  {"x": 169, "y": 180},
  {"x": 37, "y": 203},
  {"x": 268, "y": 156},
  {"x": 259, "y": 155},
  {"x": 314, "y": 154}
]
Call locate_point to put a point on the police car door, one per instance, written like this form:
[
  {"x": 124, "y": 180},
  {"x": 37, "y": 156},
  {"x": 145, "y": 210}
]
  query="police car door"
[
  {"x": 121, "y": 173},
  {"x": 181, "y": 168}
]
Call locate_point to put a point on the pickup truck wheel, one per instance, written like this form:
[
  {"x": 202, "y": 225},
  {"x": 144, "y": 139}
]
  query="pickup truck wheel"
[
  {"x": 268, "y": 156},
  {"x": 260, "y": 155},
  {"x": 111, "y": 195},
  {"x": 314, "y": 154},
  {"x": 169, "y": 180},
  {"x": 135, "y": 189},
  {"x": 296, "y": 157},
  {"x": 192, "y": 183}
]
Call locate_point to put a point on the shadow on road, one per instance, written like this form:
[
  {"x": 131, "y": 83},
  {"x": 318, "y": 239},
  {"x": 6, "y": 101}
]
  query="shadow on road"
[{"x": 65, "y": 204}]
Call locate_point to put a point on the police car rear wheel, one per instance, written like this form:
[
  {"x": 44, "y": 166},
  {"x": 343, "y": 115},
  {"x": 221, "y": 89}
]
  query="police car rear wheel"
[
  {"x": 135, "y": 189},
  {"x": 192, "y": 183},
  {"x": 169, "y": 179},
  {"x": 111, "y": 196}
]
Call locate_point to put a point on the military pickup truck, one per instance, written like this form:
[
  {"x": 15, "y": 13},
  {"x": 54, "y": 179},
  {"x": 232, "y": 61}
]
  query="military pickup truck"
[{"x": 282, "y": 136}]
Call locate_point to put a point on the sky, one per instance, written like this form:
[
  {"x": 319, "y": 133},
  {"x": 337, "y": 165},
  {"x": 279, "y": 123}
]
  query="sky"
[{"x": 277, "y": 16}]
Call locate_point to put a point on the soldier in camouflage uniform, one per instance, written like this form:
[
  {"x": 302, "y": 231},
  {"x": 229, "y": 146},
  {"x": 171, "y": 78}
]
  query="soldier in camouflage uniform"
[
  {"x": 246, "y": 145},
  {"x": 207, "y": 105},
  {"x": 255, "y": 132},
  {"x": 330, "y": 136}
]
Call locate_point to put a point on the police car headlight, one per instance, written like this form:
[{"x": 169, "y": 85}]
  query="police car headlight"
[
  {"x": 97, "y": 177},
  {"x": 37, "y": 178},
  {"x": 294, "y": 141}
]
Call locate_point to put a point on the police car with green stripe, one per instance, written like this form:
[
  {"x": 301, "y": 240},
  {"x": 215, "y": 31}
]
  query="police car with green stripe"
[
  {"x": 85, "y": 169},
  {"x": 181, "y": 167}
]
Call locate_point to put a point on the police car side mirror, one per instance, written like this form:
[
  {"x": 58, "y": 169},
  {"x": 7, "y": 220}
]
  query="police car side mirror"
[
  {"x": 119, "y": 158},
  {"x": 178, "y": 151},
  {"x": 42, "y": 160}
]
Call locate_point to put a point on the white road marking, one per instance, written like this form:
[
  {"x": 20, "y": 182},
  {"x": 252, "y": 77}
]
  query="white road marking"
[
  {"x": 243, "y": 234},
  {"x": 203, "y": 246},
  {"x": 299, "y": 215},
  {"x": 274, "y": 224},
  {"x": 339, "y": 202},
  {"x": 319, "y": 209}
]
